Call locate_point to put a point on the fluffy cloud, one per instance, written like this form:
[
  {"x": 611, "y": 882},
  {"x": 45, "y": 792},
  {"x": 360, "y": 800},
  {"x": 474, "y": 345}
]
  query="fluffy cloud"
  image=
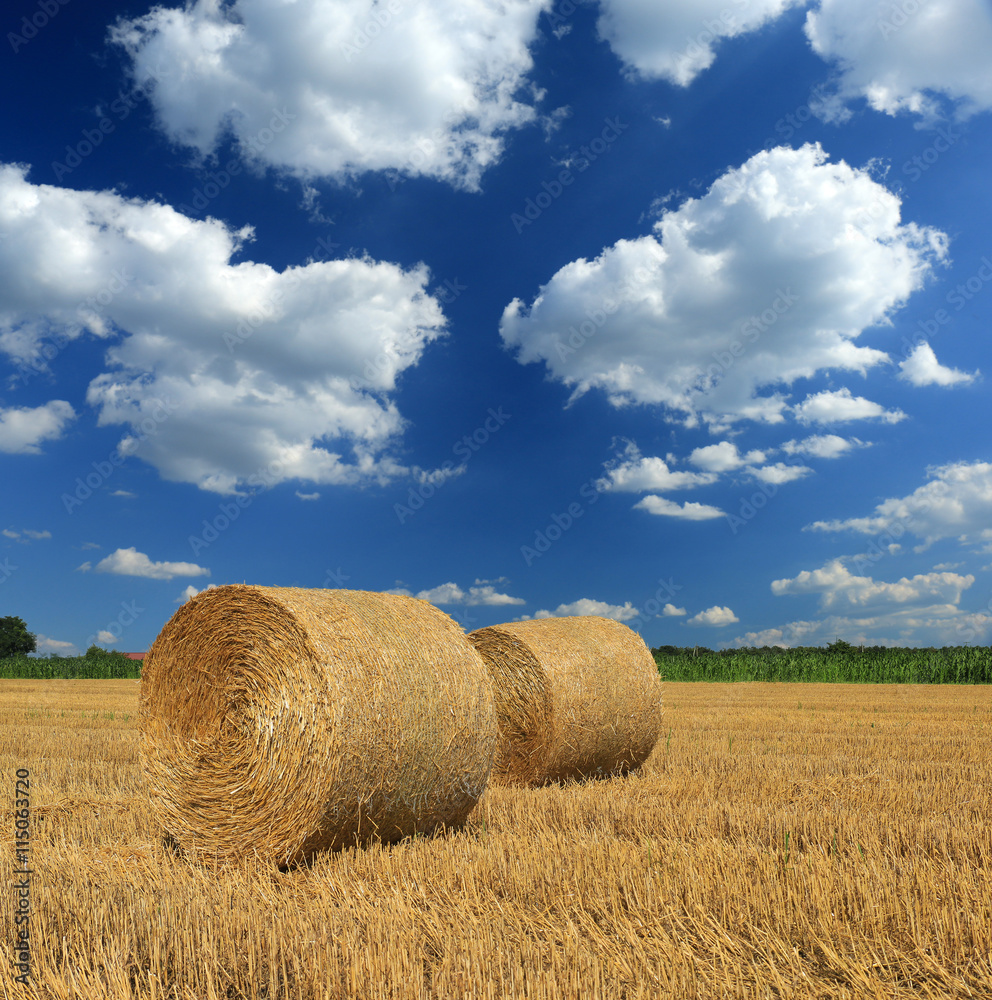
[
  {"x": 451, "y": 593},
  {"x": 227, "y": 373},
  {"x": 22, "y": 429},
  {"x": 587, "y": 606},
  {"x": 670, "y": 611},
  {"x": 939, "y": 625},
  {"x": 635, "y": 474},
  {"x": 107, "y": 638},
  {"x": 191, "y": 591},
  {"x": 336, "y": 87},
  {"x": 903, "y": 57},
  {"x": 26, "y": 535},
  {"x": 923, "y": 368},
  {"x": 130, "y": 562},
  {"x": 837, "y": 585},
  {"x": 779, "y": 473},
  {"x": 716, "y": 616},
  {"x": 838, "y": 406},
  {"x": 688, "y": 511},
  {"x": 44, "y": 645},
  {"x": 955, "y": 503},
  {"x": 822, "y": 446},
  {"x": 769, "y": 277},
  {"x": 723, "y": 457},
  {"x": 675, "y": 40}
]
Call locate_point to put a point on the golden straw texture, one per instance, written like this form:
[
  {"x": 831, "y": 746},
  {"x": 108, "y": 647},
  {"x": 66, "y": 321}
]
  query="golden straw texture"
[
  {"x": 279, "y": 721},
  {"x": 575, "y": 697}
]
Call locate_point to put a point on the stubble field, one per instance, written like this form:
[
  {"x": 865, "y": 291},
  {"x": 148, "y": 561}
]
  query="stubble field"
[{"x": 784, "y": 840}]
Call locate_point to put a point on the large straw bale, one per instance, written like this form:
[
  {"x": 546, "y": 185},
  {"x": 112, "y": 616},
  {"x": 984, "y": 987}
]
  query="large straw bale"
[
  {"x": 575, "y": 697},
  {"x": 283, "y": 721}
]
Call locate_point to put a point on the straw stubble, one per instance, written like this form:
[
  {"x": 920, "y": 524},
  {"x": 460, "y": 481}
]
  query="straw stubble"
[{"x": 278, "y": 722}]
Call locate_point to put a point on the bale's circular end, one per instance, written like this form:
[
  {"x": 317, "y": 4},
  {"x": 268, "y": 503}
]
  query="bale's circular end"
[
  {"x": 279, "y": 722},
  {"x": 575, "y": 697}
]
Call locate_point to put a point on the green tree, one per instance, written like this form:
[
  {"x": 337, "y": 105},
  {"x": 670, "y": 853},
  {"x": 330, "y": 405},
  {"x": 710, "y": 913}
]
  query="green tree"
[{"x": 15, "y": 639}]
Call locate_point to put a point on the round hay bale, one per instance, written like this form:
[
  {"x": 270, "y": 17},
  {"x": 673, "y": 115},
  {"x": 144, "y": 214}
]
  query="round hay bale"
[
  {"x": 279, "y": 722},
  {"x": 575, "y": 698}
]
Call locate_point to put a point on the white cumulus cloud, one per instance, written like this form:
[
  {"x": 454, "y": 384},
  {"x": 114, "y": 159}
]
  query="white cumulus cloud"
[
  {"x": 906, "y": 56},
  {"x": 24, "y": 428},
  {"x": 224, "y": 373},
  {"x": 634, "y": 473},
  {"x": 837, "y": 585},
  {"x": 588, "y": 606},
  {"x": 838, "y": 406},
  {"x": 59, "y": 647},
  {"x": 822, "y": 446},
  {"x": 723, "y": 457},
  {"x": 955, "y": 503},
  {"x": 451, "y": 593},
  {"x": 130, "y": 562},
  {"x": 769, "y": 277},
  {"x": 923, "y": 368},
  {"x": 676, "y": 40},
  {"x": 717, "y": 616},
  {"x": 688, "y": 511},
  {"x": 333, "y": 88}
]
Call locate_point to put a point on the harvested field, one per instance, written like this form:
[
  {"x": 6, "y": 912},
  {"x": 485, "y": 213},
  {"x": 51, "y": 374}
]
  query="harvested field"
[{"x": 782, "y": 840}]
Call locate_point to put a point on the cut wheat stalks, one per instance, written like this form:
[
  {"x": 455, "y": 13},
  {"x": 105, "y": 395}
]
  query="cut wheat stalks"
[
  {"x": 575, "y": 697},
  {"x": 278, "y": 722}
]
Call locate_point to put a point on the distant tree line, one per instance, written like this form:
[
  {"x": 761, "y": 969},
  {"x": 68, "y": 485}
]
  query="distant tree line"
[{"x": 839, "y": 661}]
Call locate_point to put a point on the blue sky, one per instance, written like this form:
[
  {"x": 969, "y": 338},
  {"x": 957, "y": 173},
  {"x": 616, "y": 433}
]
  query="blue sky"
[{"x": 676, "y": 312}]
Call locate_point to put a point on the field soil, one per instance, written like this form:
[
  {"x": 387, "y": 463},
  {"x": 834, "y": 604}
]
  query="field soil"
[{"x": 783, "y": 840}]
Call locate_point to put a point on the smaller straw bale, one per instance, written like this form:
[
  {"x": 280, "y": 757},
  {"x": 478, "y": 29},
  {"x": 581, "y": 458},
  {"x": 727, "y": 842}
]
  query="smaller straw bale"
[
  {"x": 278, "y": 722},
  {"x": 575, "y": 698}
]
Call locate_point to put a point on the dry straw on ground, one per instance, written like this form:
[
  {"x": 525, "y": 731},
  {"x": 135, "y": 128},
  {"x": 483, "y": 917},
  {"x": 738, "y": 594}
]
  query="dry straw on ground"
[
  {"x": 576, "y": 697},
  {"x": 279, "y": 721}
]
